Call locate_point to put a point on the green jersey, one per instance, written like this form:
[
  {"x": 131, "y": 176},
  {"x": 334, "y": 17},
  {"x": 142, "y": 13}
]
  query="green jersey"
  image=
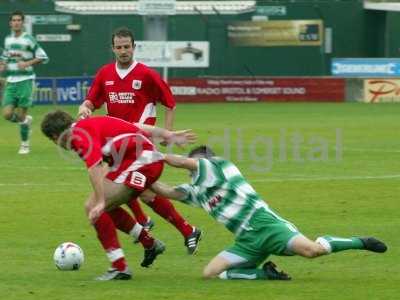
[
  {"x": 21, "y": 48},
  {"x": 220, "y": 189}
]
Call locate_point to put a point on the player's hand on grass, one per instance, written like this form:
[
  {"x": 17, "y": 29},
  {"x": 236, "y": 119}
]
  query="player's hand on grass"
[{"x": 181, "y": 138}]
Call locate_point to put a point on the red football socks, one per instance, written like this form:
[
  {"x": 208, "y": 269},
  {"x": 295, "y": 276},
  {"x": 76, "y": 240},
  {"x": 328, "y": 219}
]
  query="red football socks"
[
  {"x": 137, "y": 210},
  {"x": 107, "y": 235},
  {"x": 119, "y": 264},
  {"x": 165, "y": 209},
  {"x": 146, "y": 239},
  {"x": 122, "y": 220}
]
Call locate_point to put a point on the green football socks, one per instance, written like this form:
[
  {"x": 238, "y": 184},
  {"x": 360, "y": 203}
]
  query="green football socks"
[
  {"x": 337, "y": 244},
  {"x": 24, "y": 132},
  {"x": 249, "y": 274}
]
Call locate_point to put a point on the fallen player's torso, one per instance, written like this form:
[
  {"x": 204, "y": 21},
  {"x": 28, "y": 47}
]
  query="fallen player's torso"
[{"x": 221, "y": 190}]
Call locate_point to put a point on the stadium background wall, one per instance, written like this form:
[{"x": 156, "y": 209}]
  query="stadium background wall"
[{"x": 356, "y": 33}]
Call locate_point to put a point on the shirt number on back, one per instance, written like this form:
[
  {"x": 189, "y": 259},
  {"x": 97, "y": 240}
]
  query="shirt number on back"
[{"x": 138, "y": 180}]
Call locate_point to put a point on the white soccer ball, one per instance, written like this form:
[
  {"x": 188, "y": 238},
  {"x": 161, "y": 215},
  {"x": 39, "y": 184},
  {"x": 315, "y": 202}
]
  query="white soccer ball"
[{"x": 68, "y": 256}]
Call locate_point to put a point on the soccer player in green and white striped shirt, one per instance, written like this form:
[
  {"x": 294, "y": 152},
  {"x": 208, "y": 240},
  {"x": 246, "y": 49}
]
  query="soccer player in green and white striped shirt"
[
  {"x": 21, "y": 52},
  {"x": 220, "y": 189}
]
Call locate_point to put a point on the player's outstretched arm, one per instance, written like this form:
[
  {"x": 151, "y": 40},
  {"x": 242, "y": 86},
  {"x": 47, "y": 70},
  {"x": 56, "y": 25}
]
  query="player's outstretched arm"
[
  {"x": 167, "y": 191},
  {"x": 179, "y": 161},
  {"x": 179, "y": 138}
]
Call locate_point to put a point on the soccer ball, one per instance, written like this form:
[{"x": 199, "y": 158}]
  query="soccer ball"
[{"x": 68, "y": 256}]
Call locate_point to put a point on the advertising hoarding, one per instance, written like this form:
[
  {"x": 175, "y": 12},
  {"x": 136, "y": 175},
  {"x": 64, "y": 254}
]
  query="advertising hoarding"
[
  {"x": 382, "y": 90},
  {"x": 219, "y": 89},
  {"x": 70, "y": 90},
  {"x": 365, "y": 67},
  {"x": 186, "y": 54},
  {"x": 258, "y": 89},
  {"x": 276, "y": 33}
]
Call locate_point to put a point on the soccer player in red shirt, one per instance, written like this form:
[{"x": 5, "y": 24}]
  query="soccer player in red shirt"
[
  {"x": 134, "y": 165},
  {"x": 130, "y": 91}
]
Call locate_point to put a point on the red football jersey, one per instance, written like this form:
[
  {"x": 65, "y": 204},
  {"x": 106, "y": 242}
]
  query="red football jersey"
[
  {"x": 118, "y": 142},
  {"x": 131, "y": 98}
]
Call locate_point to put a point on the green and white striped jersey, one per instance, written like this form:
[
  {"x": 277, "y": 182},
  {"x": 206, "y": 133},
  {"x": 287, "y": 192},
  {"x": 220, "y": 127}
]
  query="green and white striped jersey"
[
  {"x": 21, "y": 48},
  {"x": 220, "y": 189}
]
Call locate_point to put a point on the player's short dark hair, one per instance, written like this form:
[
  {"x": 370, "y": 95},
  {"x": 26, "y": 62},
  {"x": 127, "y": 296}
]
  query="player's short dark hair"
[
  {"x": 122, "y": 32},
  {"x": 17, "y": 13},
  {"x": 202, "y": 151},
  {"x": 55, "y": 123}
]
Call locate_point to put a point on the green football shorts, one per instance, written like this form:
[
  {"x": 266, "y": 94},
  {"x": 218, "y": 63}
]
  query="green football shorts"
[
  {"x": 266, "y": 234},
  {"x": 18, "y": 94}
]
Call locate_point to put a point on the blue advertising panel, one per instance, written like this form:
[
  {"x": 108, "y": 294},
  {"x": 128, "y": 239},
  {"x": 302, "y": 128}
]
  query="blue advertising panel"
[
  {"x": 365, "y": 67},
  {"x": 70, "y": 90},
  {"x": 43, "y": 92}
]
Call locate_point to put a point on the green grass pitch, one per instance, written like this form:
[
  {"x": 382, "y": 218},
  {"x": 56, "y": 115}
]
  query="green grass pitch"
[{"x": 328, "y": 168}]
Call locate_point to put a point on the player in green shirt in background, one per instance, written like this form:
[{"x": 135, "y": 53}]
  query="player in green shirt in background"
[
  {"x": 220, "y": 189},
  {"x": 21, "y": 52}
]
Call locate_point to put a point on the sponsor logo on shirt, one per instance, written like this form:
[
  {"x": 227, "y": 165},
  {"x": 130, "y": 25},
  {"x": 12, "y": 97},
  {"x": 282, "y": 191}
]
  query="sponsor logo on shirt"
[
  {"x": 15, "y": 54},
  {"x": 136, "y": 84},
  {"x": 109, "y": 82},
  {"x": 138, "y": 180},
  {"x": 215, "y": 201},
  {"x": 122, "y": 97}
]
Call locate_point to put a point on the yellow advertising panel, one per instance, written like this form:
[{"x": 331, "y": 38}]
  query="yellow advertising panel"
[
  {"x": 276, "y": 33},
  {"x": 381, "y": 90}
]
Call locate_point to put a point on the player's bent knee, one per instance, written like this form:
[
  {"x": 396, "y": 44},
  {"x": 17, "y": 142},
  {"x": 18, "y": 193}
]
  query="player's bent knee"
[
  {"x": 208, "y": 273},
  {"x": 7, "y": 115},
  {"x": 216, "y": 266},
  {"x": 316, "y": 250},
  {"x": 312, "y": 251},
  {"x": 212, "y": 271}
]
